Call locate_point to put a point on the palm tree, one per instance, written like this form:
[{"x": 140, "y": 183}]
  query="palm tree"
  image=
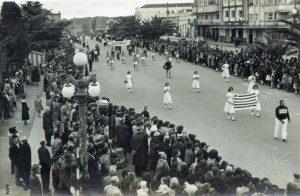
[
  {"x": 156, "y": 27},
  {"x": 270, "y": 47},
  {"x": 127, "y": 26},
  {"x": 292, "y": 40}
]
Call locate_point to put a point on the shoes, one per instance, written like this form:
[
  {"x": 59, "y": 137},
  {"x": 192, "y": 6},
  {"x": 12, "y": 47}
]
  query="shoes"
[
  {"x": 19, "y": 184},
  {"x": 26, "y": 188},
  {"x": 232, "y": 118},
  {"x": 284, "y": 140},
  {"x": 276, "y": 138},
  {"x": 165, "y": 106},
  {"x": 257, "y": 115},
  {"x": 198, "y": 91},
  {"x": 228, "y": 117},
  {"x": 170, "y": 107}
]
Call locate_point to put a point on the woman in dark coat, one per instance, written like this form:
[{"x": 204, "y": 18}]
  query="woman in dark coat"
[
  {"x": 25, "y": 160},
  {"x": 35, "y": 76},
  {"x": 25, "y": 110},
  {"x": 140, "y": 149}
]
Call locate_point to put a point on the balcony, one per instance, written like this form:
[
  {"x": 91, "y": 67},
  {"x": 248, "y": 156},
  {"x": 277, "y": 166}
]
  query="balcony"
[{"x": 206, "y": 8}]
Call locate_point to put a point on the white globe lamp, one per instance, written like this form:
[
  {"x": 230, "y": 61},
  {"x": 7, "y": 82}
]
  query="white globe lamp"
[
  {"x": 94, "y": 89},
  {"x": 80, "y": 59},
  {"x": 68, "y": 91}
]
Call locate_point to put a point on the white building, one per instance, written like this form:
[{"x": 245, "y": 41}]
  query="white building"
[
  {"x": 187, "y": 26},
  {"x": 172, "y": 11}
]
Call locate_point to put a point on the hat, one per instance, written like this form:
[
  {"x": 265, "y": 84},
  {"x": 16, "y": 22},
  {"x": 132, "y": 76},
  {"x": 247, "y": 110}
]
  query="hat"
[
  {"x": 13, "y": 130},
  {"x": 35, "y": 167},
  {"x": 43, "y": 141},
  {"x": 23, "y": 138}
]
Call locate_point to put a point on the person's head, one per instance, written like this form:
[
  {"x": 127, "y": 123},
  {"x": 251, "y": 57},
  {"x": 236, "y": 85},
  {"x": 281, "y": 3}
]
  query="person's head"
[
  {"x": 24, "y": 97},
  {"x": 112, "y": 171},
  {"x": 23, "y": 139},
  {"x": 196, "y": 72},
  {"x": 255, "y": 87},
  {"x": 114, "y": 180},
  {"x": 167, "y": 84},
  {"x": 125, "y": 173},
  {"x": 43, "y": 142},
  {"x": 281, "y": 102},
  {"x": 35, "y": 169},
  {"x": 230, "y": 89},
  {"x": 16, "y": 140},
  {"x": 128, "y": 72},
  {"x": 145, "y": 108}
]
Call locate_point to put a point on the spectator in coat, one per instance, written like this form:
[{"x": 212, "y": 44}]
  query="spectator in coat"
[
  {"x": 35, "y": 181},
  {"x": 35, "y": 76},
  {"x": 140, "y": 150},
  {"x": 14, "y": 155},
  {"x": 48, "y": 125},
  {"x": 45, "y": 162},
  {"x": 25, "y": 110},
  {"x": 25, "y": 161}
]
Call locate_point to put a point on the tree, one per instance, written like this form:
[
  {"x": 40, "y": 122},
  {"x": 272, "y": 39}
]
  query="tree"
[
  {"x": 156, "y": 27},
  {"x": 271, "y": 47},
  {"x": 85, "y": 28},
  {"x": 94, "y": 24},
  {"x": 42, "y": 33},
  {"x": 292, "y": 38},
  {"x": 127, "y": 26},
  {"x": 13, "y": 39}
]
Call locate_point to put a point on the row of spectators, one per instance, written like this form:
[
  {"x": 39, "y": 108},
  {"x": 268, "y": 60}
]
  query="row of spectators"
[{"x": 269, "y": 69}]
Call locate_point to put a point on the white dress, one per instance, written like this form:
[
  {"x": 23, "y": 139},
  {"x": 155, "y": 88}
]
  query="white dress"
[
  {"x": 167, "y": 95},
  {"x": 229, "y": 106},
  {"x": 225, "y": 73},
  {"x": 196, "y": 83},
  {"x": 258, "y": 108},
  {"x": 129, "y": 81},
  {"x": 252, "y": 80}
]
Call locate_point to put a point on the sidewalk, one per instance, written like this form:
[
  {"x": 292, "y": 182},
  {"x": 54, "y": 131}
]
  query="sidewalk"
[{"x": 32, "y": 131}]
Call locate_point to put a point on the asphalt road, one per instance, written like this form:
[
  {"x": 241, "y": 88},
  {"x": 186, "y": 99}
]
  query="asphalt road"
[{"x": 247, "y": 143}]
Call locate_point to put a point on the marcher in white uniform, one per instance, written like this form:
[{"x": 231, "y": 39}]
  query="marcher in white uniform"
[
  {"x": 112, "y": 63},
  {"x": 107, "y": 58},
  {"x": 135, "y": 63},
  {"x": 225, "y": 73},
  {"x": 229, "y": 106},
  {"x": 196, "y": 82},
  {"x": 258, "y": 108},
  {"x": 123, "y": 57},
  {"x": 167, "y": 96},
  {"x": 153, "y": 54},
  {"x": 128, "y": 81},
  {"x": 252, "y": 81},
  {"x": 177, "y": 56},
  {"x": 143, "y": 56},
  {"x": 281, "y": 120}
]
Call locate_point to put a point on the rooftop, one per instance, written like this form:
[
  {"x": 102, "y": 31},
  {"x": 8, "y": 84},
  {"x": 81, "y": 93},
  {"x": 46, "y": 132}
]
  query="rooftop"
[{"x": 168, "y": 5}]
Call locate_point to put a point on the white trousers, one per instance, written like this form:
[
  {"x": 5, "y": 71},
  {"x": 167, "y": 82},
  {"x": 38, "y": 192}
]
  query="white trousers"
[{"x": 283, "y": 127}]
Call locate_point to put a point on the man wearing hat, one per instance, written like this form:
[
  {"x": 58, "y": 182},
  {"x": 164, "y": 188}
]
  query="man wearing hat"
[
  {"x": 25, "y": 161},
  {"x": 12, "y": 133},
  {"x": 45, "y": 162},
  {"x": 35, "y": 181}
]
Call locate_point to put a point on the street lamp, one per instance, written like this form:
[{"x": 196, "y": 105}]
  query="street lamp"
[{"x": 68, "y": 91}]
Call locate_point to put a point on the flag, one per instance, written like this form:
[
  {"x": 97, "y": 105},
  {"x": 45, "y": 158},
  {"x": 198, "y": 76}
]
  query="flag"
[{"x": 245, "y": 101}]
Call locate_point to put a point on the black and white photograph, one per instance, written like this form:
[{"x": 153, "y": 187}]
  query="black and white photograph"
[{"x": 150, "y": 97}]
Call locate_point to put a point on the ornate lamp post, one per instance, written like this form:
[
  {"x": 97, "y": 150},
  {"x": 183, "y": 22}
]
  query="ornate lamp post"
[{"x": 84, "y": 87}]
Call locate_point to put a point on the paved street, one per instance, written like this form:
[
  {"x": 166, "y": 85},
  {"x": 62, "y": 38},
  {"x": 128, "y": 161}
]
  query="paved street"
[{"x": 248, "y": 142}]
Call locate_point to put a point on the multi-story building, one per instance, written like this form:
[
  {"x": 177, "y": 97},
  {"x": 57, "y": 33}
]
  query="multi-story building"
[
  {"x": 249, "y": 20},
  {"x": 208, "y": 18},
  {"x": 54, "y": 17}
]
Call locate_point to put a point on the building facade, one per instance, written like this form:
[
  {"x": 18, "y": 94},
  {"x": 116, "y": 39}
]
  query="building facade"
[{"x": 248, "y": 20}]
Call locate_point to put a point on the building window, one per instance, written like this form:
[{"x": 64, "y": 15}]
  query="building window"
[
  {"x": 217, "y": 16},
  {"x": 172, "y": 11},
  {"x": 233, "y": 14},
  {"x": 271, "y": 2},
  {"x": 256, "y": 16},
  {"x": 241, "y": 13},
  {"x": 250, "y": 2},
  {"x": 206, "y": 16},
  {"x": 250, "y": 17},
  {"x": 226, "y": 14},
  {"x": 270, "y": 16}
]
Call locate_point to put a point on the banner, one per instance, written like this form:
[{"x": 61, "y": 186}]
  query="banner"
[
  {"x": 245, "y": 101},
  {"x": 119, "y": 43}
]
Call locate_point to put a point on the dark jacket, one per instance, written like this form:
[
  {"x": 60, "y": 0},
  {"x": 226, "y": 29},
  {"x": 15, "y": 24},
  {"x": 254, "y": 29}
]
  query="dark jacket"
[
  {"x": 25, "y": 157},
  {"x": 25, "y": 110},
  {"x": 45, "y": 158},
  {"x": 14, "y": 154},
  {"x": 48, "y": 122},
  {"x": 140, "y": 146},
  {"x": 35, "y": 186},
  {"x": 167, "y": 65}
]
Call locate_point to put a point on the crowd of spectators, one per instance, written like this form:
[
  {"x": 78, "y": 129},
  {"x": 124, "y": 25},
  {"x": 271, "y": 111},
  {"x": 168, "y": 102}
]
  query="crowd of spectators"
[
  {"x": 269, "y": 69},
  {"x": 167, "y": 160}
]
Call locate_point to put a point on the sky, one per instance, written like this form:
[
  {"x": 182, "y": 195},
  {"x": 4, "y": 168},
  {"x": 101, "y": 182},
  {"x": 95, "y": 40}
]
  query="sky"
[{"x": 90, "y": 8}]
